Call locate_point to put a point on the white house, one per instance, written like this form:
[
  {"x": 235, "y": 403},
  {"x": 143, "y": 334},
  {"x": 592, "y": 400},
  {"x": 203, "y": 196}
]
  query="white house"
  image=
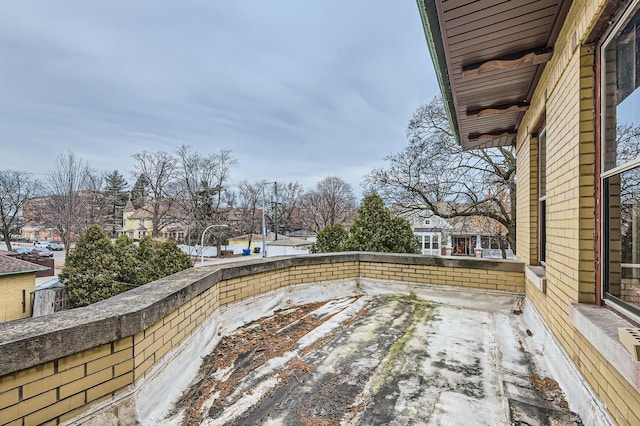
[{"x": 430, "y": 230}]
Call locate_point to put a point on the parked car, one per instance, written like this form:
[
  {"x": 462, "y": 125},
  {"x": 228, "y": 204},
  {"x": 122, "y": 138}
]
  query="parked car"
[
  {"x": 21, "y": 250},
  {"x": 55, "y": 247},
  {"x": 42, "y": 252},
  {"x": 42, "y": 244}
]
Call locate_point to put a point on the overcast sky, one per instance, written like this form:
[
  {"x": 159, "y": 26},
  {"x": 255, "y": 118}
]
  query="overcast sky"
[{"x": 297, "y": 90}]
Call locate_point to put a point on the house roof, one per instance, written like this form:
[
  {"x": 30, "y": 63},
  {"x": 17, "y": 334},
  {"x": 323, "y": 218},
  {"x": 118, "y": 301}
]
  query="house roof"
[
  {"x": 10, "y": 266},
  {"x": 489, "y": 57},
  {"x": 290, "y": 242},
  {"x": 302, "y": 233},
  {"x": 246, "y": 237},
  {"x": 129, "y": 206}
]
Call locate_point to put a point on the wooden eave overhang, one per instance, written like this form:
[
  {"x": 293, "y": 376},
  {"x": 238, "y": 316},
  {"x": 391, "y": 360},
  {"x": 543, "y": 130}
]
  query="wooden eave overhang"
[{"x": 488, "y": 57}]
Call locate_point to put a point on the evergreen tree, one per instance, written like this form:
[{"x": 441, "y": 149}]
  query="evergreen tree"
[
  {"x": 404, "y": 240},
  {"x": 126, "y": 252},
  {"x": 149, "y": 269},
  {"x": 97, "y": 269},
  {"x": 169, "y": 259},
  {"x": 156, "y": 259},
  {"x": 375, "y": 230},
  {"x": 116, "y": 198},
  {"x": 90, "y": 270},
  {"x": 139, "y": 192},
  {"x": 330, "y": 239}
]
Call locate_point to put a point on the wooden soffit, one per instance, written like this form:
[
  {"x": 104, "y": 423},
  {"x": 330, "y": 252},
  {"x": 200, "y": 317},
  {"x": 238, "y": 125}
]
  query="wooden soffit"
[{"x": 489, "y": 56}]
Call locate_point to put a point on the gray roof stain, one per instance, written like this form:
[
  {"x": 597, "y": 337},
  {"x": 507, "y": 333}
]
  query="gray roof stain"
[{"x": 379, "y": 359}]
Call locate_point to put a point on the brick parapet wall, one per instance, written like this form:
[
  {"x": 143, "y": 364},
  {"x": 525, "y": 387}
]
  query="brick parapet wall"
[{"x": 55, "y": 367}]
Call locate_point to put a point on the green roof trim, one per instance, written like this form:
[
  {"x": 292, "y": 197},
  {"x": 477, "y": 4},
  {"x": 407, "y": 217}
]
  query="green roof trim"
[
  {"x": 26, "y": 271},
  {"x": 433, "y": 34}
]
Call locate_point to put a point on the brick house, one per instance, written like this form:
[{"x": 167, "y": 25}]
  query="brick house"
[{"x": 559, "y": 81}]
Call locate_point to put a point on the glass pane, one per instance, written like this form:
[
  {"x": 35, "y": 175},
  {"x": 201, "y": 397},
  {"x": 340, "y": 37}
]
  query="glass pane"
[
  {"x": 542, "y": 163},
  {"x": 623, "y": 236},
  {"x": 542, "y": 231},
  {"x": 621, "y": 109}
]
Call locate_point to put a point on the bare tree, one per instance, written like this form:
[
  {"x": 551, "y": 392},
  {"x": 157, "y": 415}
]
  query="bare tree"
[
  {"x": 204, "y": 185},
  {"x": 433, "y": 173},
  {"x": 159, "y": 172},
  {"x": 289, "y": 196},
  {"x": 249, "y": 198},
  {"x": 15, "y": 188},
  {"x": 94, "y": 204},
  {"x": 66, "y": 208},
  {"x": 332, "y": 202}
]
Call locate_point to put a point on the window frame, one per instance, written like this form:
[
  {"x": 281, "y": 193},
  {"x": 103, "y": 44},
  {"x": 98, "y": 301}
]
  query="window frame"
[
  {"x": 603, "y": 220},
  {"x": 541, "y": 221}
]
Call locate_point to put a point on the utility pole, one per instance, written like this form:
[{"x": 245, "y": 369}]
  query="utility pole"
[
  {"x": 275, "y": 185},
  {"x": 264, "y": 225}
]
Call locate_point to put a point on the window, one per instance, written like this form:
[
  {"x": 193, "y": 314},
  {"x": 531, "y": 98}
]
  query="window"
[
  {"x": 542, "y": 196},
  {"x": 620, "y": 174},
  {"x": 430, "y": 242},
  {"x": 427, "y": 221}
]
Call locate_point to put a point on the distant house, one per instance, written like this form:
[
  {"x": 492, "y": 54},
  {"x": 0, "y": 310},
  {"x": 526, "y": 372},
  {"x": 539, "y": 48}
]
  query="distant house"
[
  {"x": 430, "y": 230},
  {"x": 138, "y": 223},
  {"x": 467, "y": 235},
  {"x": 288, "y": 247},
  {"x": 460, "y": 236},
  {"x": 17, "y": 282},
  {"x": 243, "y": 241},
  {"x": 304, "y": 235}
]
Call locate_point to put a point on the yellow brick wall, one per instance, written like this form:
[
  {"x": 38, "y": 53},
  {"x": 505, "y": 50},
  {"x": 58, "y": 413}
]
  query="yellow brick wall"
[
  {"x": 482, "y": 279},
  {"x": 11, "y": 296},
  {"x": 527, "y": 199},
  {"x": 565, "y": 94},
  {"x": 65, "y": 387},
  {"x": 586, "y": 178}
]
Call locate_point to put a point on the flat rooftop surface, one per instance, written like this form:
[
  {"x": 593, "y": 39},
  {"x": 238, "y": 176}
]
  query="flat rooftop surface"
[{"x": 452, "y": 359}]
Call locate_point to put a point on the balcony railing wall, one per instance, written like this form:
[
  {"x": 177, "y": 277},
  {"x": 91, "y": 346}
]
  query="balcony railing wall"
[{"x": 56, "y": 367}]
